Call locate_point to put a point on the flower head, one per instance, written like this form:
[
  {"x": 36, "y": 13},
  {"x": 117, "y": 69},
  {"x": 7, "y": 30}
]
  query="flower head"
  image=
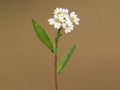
[
  {"x": 59, "y": 11},
  {"x": 62, "y": 19}
]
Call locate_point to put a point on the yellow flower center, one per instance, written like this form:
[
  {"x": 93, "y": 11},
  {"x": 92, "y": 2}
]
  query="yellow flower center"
[
  {"x": 59, "y": 12},
  {"x": 57, "y": 20},
  {"x": 72, "y": 19}
]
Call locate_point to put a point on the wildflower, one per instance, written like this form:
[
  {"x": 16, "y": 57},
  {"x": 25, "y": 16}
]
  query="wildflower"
[
  {"x": 74, "y": 18},
  {"x": 62, "y": 19}
]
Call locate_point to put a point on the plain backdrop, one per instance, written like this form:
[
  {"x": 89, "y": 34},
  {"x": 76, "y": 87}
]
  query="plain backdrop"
[{"x": 26, "y": 64}]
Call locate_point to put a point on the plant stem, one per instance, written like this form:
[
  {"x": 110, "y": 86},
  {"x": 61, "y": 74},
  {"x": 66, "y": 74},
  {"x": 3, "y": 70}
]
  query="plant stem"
[
  {"x": 56, "y": 79},
  {"x": 55, "y": 61}
]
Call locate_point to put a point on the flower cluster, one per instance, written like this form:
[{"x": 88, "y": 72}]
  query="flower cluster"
[{"x": 62, "y": 19}]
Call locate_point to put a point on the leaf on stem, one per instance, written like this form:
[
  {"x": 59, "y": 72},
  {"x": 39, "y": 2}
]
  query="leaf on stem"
[
  {"x": 42, "y": 35},
  {"x": 64, "y": 60}
]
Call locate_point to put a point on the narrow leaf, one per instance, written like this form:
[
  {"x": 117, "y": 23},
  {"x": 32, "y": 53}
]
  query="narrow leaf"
[
  {"x": 42, "y": 35},
  {"x": 64, "y": 60}
]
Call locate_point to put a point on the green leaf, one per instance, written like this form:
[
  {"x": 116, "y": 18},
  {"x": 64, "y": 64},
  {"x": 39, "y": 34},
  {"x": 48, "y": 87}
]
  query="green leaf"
[
  {"x": 64, "y": 60},
  {"x": 42, "y": 35}
]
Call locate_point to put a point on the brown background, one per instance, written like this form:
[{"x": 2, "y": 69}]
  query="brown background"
[{"x": 26, "y": 64}]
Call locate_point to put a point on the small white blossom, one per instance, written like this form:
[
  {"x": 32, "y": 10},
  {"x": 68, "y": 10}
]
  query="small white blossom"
[
  {"x": 65, "y": 11},
  {"x": 51, "y": 21},
  {"x": 58, "y": 11},
  {"x": 69, "y": 29},
  {"x": 64, "y": 25},
  {"x": 74, "y": 18},
  {"x": 62, "y": 19}
]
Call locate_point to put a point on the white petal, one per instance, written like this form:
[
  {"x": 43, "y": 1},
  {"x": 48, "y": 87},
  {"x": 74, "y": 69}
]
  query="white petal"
[
  {"x": 68, "y": 29},
  {"x": 63, "y": 25},
  {"x": 73, "y": 15},
  {"x": 69, "y": 23},
  {"x": 61, "y": 19},
  {"x": 76, "y": 19},
  {"x": 67, "y": 17},
  {"x": 77, "y": 23},
  {"x": 58, "y": 11},
  {"x": 57, "y": 25},
  {"x": 51, "y": 21},
  {"x": 55, "y": 16},
  {"x": 65, "y": 11}
]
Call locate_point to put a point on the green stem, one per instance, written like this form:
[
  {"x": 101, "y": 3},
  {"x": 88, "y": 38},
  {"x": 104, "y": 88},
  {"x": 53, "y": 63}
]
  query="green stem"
[
  {"x": 56, "y": 78},
  {"x": 55, "y": 61}
]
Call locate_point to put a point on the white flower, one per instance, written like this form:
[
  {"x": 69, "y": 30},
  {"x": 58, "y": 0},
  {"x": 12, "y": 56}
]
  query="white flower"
[
  {"x": 56, "y": 21},
  {"x": 69, "y": 29},
  {"x": 68, "y": 22},
  {"x": 62, "y": 19},
  {"x": 51, "y": 21},
  {"x": 65, "y": 11},
  {"x": 74, "y": 18},
  {"x": 59, "y": 11}
]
